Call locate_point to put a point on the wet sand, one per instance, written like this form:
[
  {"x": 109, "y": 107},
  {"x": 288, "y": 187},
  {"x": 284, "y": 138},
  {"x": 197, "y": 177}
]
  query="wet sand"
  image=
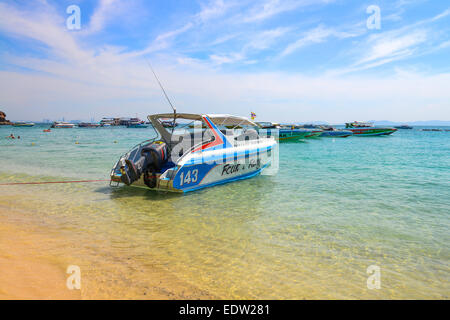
[
  {"x": 31, "y": 268},
  {"x": 27, "y": 272}
]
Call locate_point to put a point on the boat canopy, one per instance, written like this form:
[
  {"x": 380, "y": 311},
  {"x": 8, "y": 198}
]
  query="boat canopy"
[
  {"x": 218, "y": 119},
  {"x": 229, "y": 120}
]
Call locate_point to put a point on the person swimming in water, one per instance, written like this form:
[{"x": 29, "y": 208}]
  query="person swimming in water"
[{"x": 11, "y": 136}]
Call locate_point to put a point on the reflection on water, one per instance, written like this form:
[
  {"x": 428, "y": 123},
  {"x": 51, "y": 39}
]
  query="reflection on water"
[{"x": 335, "y": 207}]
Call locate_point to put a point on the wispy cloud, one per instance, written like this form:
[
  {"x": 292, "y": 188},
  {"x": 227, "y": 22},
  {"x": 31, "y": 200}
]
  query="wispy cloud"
[
  {"x": 231, "y": 58},
  {"x": 41, "y": 24},
  {"x": 105, "y": 11},
  {"x": 392, "y": 45},
  {"x": 270, "y": 8},
  {"x": 314, "y": 36},
  {"x": 411, "y": 40},
  {"x": 214, "y": 9},
  {"x": 259, "y": 42},
  {"x": 265, "y": 38}
]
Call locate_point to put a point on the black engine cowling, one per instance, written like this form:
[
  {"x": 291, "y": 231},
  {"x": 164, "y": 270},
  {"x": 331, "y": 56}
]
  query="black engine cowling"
[{"x": 152, "y": 158}]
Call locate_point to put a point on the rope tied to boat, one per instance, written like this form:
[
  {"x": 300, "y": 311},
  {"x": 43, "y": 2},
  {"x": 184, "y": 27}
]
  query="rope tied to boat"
[{"x": 49, "y": 182}]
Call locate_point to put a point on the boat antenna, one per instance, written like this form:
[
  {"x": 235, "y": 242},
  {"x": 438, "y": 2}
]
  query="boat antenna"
[{"x": 162, "y": 88}]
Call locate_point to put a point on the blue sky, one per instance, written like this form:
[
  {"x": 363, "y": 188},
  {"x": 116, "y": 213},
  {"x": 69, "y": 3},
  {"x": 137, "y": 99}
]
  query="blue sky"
[{"x": 285, "y": 60}]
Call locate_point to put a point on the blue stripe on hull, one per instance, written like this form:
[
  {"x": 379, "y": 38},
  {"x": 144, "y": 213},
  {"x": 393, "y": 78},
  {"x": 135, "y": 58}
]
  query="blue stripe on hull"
[
  {"x": 242, "y": 177},
  {"x": 231, "y": 155},
  {"x": 373, "y": 134}
]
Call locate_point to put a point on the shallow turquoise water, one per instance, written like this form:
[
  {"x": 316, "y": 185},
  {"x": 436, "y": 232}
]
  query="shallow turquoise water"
[{"x": 335, "y": 207}]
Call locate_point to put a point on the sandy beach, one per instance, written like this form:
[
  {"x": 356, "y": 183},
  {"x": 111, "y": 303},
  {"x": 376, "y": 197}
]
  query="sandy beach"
[
  {"x": 27, "y": 271},
  {"x": 30, "y": 270}
]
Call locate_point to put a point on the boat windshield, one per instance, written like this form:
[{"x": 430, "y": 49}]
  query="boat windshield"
[{"x": 189, "y": 131}]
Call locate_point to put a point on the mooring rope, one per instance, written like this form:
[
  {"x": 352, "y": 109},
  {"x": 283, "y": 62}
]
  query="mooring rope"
[{"x": 49, "y": 182}]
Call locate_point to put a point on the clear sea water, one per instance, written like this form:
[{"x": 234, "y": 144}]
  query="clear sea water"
[{"x": 335, "y": 207}]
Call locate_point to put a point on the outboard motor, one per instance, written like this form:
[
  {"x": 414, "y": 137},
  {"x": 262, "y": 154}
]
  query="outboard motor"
[{"x": 152, "y": 158}]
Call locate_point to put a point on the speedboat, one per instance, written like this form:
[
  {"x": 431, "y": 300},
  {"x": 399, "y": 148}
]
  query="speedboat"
[
  {"x": 268, "y": 124},
  {"x": 168, "y": 123},
  {"x": 286, "y": 133},
  {"x": 63, "y": 125},
  {"x": 404, "y": 126},
  {"x": 329, "y": 131},
  {"x": 137, "y": 125},
  {"x": 197, "y": 154},
  {"x": 23, "y": 124},
  {"x": 311, "y": 131},
  {"x": 292, "y": 134},
  {"x": 367, "y": 129},
  {"x": 336, "y": 133}
]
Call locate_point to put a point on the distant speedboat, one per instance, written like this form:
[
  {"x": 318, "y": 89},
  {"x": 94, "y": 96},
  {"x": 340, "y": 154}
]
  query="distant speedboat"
[
  {"x": 62, "y": 125},
  {"x": 186, "y": 159},
  {"x": 367, "y": 129},
  {"x": 288, "y": 133},
  {"x": 329, "y": 131},
  {"x": 23, "y": 124},
  {"x": 405, "y": 126},
  {"x": 436, "y": 130},
  {"x": 138, "y": 125},
  {"x": 168, "y": 124},
  {"x": 268, "y": 125}
]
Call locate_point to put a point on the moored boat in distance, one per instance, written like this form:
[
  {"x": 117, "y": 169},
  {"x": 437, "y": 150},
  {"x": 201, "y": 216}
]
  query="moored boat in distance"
[
  {"x": 329, "y": 131},
  {"x": 191, "y": 158},
  {"x": 314, "y": 133},
  {"x": 289, "y": 133},
  {"x": 404, "y": 126},
  {"x": 435, "y": 130},
  {"x": 313, "y": 130},
  {"x": 168, "y": 123},
  {"x": 88, "y": 125},
  {"x": 268, "y": 125},
  {"x": 23, "y": 124},
  {"x": 62, "y": 125},
  {"x": 138, "y": 125},
  {"x": 293, "y": 134},
  {"x": 367, "y": 129},
  {"x": 108, "y": 122}
]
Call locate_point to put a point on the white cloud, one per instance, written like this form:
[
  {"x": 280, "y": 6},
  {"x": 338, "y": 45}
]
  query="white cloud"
[
  {"x": 174, "y": 33},
  {"x": 265, "y": 38},
  {"x": 412, "y": 40},
  {"x": 105, "y": 11},
  {"x": 42, "y": 25},
  {"x": 257, "y": 42},
  {"x": 222, "y": 59},
  {"x": 270, "y": 8},
  {"x": 214, "y": 9},
  {"x": 441, "y": 15},
  {"x": 278, "y": 96},
  {"x": 392, "y": 45},
  {"x": 316, "y": 35}
]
